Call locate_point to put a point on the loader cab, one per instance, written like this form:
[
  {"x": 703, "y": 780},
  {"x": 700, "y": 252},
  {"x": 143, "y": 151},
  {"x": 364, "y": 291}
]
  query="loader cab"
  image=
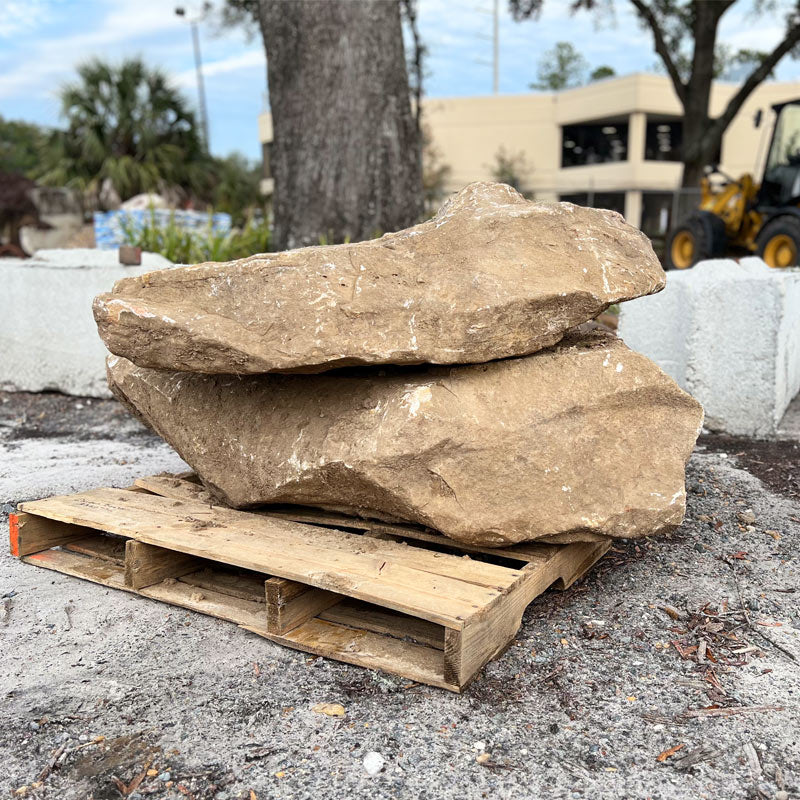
[{"x": 781, "y": 183}]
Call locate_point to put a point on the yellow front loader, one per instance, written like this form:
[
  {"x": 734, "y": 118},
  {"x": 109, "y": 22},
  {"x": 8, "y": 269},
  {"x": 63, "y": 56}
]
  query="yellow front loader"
[{"x": 741, "y": 216}]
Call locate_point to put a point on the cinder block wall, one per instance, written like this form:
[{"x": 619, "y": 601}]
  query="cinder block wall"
[
  {"x": 48, "y": 338},
  {"x": 729, "y": 333}
]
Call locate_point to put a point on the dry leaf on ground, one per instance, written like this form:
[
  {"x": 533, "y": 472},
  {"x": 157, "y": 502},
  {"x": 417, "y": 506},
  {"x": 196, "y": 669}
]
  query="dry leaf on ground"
[
  {"x": 669, "y": 752},
  {"x": 330, "y": 709}
]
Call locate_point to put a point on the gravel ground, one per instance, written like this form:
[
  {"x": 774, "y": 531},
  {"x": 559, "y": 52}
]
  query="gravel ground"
[{"x": 687, "y": 644}]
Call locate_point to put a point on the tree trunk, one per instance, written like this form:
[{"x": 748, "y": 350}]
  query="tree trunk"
[
  {"x": 345, "y": 155},
  {"x": 699, "y": 142}
]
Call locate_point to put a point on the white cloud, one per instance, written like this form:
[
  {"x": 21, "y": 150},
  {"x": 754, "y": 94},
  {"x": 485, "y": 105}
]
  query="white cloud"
[
  {"x": 249, "y": 59},
  {"x": 50, "y": 60},
  {"x": 113, "y": 29},
  {"x": 18, "y": 16}
]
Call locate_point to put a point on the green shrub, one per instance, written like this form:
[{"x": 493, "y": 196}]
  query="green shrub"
[{"x": 182, "y": 246}]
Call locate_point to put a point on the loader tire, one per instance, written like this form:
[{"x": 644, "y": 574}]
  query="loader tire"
[
  {"x": 698, "y": 237},
  {"x": 778, "y": 242}
]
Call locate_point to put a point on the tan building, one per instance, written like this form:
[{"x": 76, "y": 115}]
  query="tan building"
[{"x": 615, "y": 143}]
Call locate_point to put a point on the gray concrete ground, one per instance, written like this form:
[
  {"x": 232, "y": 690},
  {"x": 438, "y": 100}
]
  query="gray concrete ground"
[{"x": 600, "y": 685}]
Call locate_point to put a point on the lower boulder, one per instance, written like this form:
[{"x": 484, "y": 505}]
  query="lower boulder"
[{"x": 584, "y": 438}]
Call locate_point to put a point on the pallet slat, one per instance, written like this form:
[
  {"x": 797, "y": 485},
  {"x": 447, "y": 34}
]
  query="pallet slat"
[
  {"x": 338, "y": 561},
  {"x": 106, "y": 548},
  {"x": 356, "y": 614},
  {"x": 96, "y": 570},
  {"x": 461, "y": 567},
  {"x": 245, "y": 587},
  {"x": 206, "y": 601},
  {"x": 367, "y": 649},
  {"x": 186, "y": 487},
  {"x": 361, "y": 595}
]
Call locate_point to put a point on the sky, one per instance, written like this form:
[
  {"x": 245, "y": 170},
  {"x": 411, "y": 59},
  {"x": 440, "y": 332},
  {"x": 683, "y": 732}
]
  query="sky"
[{"x": 41, "y": 42}]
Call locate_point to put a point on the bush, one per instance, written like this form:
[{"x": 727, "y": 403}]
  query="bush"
[{"x": 183, "y": 246}]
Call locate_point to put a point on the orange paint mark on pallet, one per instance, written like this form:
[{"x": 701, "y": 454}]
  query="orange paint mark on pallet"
[{"x": 13, "y": 534}]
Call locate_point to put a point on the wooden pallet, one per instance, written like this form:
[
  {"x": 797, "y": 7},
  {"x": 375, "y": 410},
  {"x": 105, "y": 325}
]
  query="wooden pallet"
[{"x": 335, "y": 586}]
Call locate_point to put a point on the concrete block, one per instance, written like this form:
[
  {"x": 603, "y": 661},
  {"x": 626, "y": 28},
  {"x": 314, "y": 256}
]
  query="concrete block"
[
  {"x": 729, "y": 333},
  {"x": 62, "y": 210},
  {"x": 48, "y": 339}
]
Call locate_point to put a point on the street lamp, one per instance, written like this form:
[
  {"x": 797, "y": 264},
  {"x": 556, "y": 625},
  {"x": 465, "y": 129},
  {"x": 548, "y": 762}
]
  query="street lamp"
[{"x": 198, "y": 65}]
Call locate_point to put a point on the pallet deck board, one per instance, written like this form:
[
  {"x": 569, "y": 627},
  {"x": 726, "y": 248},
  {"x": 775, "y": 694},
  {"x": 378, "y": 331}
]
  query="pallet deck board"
[
  {"x": 360, "y": 593},
  {"x": 244, "y": 586},
  {"x": 206, "y": 601},
  {"x": 365, "y": 648},
  {"x": 92, "y": 569},
  {"x": 201, "y": 517},
  {"x": 106, "y": 548},
  {"x": 186, "y": 487},
  {"x": 356, "y": 614},
  {"x": 273, "y": 546}
]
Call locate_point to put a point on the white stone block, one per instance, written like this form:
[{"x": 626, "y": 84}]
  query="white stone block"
[
  {"x": 729, "y": 333},
  {"x": 48, "y": 338}
]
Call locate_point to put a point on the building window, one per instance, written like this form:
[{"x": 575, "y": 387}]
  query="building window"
[
  {"x": 663, "y": 140},
  {"x": 615, "y": 201},
  {"x": 658, "y": 209},
  {"x": 598, "y": 143}
]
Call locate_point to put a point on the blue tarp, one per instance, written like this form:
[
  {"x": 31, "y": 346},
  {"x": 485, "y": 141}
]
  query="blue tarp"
[{"x": 108, "y": 227}]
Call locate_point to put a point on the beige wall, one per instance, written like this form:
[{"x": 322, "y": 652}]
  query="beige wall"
[{"x": 469, "y": 131}]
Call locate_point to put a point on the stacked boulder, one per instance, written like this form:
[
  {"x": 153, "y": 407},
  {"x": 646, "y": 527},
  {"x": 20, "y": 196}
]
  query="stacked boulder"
[{"x": 441, "y": 375}]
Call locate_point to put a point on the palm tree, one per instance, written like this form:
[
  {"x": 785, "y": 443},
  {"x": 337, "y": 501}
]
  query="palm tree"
[{"x": 127, "y": 129}]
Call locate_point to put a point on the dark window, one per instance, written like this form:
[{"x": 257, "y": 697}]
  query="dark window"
[
  {"x": 598, "y": 143},
  {"x": 615, "y": 201},
  {"x": 579, "y": 199},
  {"x": 663, "y": 140},
  {"x": 657, "y": 212}
]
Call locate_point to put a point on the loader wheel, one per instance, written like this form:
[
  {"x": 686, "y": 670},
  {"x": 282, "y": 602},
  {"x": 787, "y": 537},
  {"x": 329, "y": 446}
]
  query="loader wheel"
[
  {"x": 698, "y": 237},
  {"x": 682, "y": 247},
  {"x": 779, "y": 242}
]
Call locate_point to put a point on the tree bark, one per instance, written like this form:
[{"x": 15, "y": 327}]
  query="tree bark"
[
  {"x": 345, "y": 154},
  {"x": 700, "y": 142}
]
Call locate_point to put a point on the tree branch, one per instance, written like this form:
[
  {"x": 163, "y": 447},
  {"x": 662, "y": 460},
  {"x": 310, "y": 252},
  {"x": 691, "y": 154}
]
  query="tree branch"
[
  {"x": 724, "y": 5},
  {"x": 757, "y": 76},
  {"x": 661, "y": 47},
  {"x": 409, "y": 10}
]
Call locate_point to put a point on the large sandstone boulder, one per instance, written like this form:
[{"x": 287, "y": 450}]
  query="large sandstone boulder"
[
  {"x": 587, "y": 437},
  {"x": 491, "y": 276}
]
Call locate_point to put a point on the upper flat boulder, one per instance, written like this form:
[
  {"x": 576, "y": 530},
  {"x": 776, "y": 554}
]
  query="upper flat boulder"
[{"x": 492, "y": 275}]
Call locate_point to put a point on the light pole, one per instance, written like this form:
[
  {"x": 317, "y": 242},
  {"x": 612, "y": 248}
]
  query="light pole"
[
  {"x": 495, "y": 37},
  {"x": 198, "y": 65},
  {"x": 496, "y": 48}
]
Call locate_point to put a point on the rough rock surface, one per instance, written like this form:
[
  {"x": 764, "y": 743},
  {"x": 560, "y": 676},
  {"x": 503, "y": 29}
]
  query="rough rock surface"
[
  {"x": 586, "y": 437},
  {"x": 491, "y": 276}
]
